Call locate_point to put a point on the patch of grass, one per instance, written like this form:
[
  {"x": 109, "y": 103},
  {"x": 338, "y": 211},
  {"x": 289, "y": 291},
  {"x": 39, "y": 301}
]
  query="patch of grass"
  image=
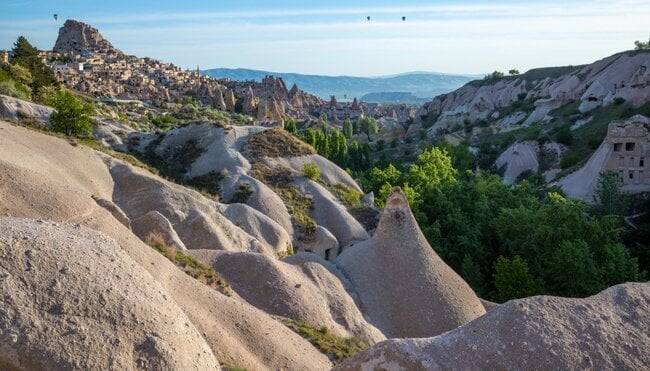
[
  {"x": 207, "y": 183},
  {"x": 190, "y": 265},
  {"x": 242, "y": 194},
  {"x": 275, "y": 142},
  {"x": 284, "y": 254},
  {"x": 229, "y": 367},
  {"x": 278, "y": 177},
  {"x": 299, "y": 207},
  {"x": 334, "y": 347}
]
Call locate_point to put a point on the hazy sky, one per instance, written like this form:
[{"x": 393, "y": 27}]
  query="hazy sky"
[{"x": 333, "y": 37}]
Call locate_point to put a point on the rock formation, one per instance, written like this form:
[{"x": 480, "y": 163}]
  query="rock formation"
[
  {"x": 300, "y": 288},
  {"x": 45, "y": 177},
  {"x": 77, "y": 37},
  {"x": 624, "y": 75},
  {"x": 73, "y": 299},
  {"x": 404, "y": 287},
  {"x": 608, "y": 331}
]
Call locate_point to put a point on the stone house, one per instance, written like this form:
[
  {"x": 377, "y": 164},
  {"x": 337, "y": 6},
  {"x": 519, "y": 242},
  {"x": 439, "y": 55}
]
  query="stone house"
[{"x": 630, "y": 153}]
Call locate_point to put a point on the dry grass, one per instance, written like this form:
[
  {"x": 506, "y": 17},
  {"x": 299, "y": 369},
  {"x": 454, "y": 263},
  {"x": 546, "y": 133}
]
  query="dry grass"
[
  {"x": 275, "y": 142},
  {"x": 190, "y": 265}
]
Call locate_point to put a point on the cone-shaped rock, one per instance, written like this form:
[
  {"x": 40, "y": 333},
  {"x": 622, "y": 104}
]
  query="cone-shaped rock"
[{"x": 406, "y": 290}]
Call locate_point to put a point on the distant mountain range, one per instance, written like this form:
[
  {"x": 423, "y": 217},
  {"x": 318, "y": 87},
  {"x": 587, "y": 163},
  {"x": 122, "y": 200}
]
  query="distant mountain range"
[{"x": 412, "y": 87}]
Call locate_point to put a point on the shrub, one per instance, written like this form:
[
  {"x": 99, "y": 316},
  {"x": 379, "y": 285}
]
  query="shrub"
[
  {"x": 242, "y": 194},
  {"x": 533, "y": 132},
  {"x": 311, "y": 170},
  {"x": 568, "y": 161},
  {"x": 12, "y": 89},
  {"x": 618, "y": 101},
  {"x": 564, "y": 135},
  {"x": 71, "y": 116}
]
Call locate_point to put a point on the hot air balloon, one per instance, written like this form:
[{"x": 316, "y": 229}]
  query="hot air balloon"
[
  {"x": 403, "y": 18},
  {"x": 368, "y": 17},
  {"x": 56, "y": 17}
]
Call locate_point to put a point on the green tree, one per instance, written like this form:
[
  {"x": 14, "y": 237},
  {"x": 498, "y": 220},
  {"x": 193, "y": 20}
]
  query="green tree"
[
  {"x": 431, "y": 168},
  {"x": 471, "y": 272},
  {"x": 348, "y": 130},
  {"x": 513, "y": 72},
  {"x": 608, "y": 197},
  {"x": 290, "y": 126},
  {"x": 494, "y": 75},
  {"x": 512, "y": 279},
  {"x": 368, "y": 125},
  {"x": 25, "y": 55},
  {"x": 21, "y": 74},
  {"x": 640, "y": 45},
  {"x": 71, "y": 116}
]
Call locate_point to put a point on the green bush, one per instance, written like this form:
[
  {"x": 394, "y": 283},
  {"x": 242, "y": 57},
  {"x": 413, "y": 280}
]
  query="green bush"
[
  {"x": 568, "y": 161},
  {"x": 619, "y": 100},
  {"x": 12, "y": 89},
  {"x": 71, "y": 116},
  {"x": 311, "y": 170},
  {"x": 564, "y": 135}
]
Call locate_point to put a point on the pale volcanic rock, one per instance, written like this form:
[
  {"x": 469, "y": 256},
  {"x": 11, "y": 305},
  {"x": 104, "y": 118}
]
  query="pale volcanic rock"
[
  {"x": 73, "y": 299},
  {"x": 625, "y": 75},
  {"x": 45, "y": 177},
  {"x": 405, "y": 289},
  {"x": 608, "y": 331},
  {"x": 306, "y": 292},
  {"x": 518, "y": 158},
  {"x": 258, "y": 225},
  {"x": 17, "y": 109},
  {"x": 328, "y": 212},
  {"x": 75, "y": 37}
]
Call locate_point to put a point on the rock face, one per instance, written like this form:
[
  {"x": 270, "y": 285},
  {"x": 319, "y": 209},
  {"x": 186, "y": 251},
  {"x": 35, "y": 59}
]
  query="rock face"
[
  {"x": 300, "y": 288},
  {"x": 77, "y": 37},
  {"x": 518, "y": 158},
  {"x": 46, "y": 177},
  {"x": 625, "y": 75},
  {"x": 405, "y": 289},
  {"x": 608, "y": 331},
  {"x": 73, "y": 299},
  {"x": 17, "y": 109}
]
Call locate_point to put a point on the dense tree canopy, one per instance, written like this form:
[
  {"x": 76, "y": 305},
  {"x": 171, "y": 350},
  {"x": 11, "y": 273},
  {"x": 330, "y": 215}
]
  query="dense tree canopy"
[{"x": 506, "y": 241}]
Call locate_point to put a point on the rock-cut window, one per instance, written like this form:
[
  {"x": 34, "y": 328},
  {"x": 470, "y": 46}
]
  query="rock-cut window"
[{"x": 629, "y": 146}]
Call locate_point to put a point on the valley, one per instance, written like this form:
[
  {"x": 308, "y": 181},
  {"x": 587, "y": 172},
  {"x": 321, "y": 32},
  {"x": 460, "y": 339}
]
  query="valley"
[{"x": 159, "y": 218}]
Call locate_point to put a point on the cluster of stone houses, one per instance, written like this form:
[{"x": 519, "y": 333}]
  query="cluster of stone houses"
[{"x": 111, "y": 74}]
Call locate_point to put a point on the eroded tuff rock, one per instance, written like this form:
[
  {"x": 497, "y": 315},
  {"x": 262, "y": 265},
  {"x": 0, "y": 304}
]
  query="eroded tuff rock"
[
  {"x": 405, "y": 289},
  {"x": 46, "y": 177},
  {"x": 77, "y": 37},
  {"x": 300, "y": 289},
  {"x": 625, "y": 75},
  {"x": 73, "y": 299},
  {"x": 608, "y": 331}
]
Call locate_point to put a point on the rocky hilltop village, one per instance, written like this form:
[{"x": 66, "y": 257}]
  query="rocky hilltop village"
[
  {"x": 86, "y": 62},
  {"x": 226, "y": 244}
]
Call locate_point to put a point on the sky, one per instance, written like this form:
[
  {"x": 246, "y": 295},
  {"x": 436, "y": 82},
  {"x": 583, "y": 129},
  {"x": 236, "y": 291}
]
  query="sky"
[{"x": 334, "y": 38}]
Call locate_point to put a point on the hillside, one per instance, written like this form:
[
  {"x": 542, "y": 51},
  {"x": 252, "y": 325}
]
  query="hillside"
[
  {"x": 419, "y": 84},
  {"x": 171, "y": 221}
]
